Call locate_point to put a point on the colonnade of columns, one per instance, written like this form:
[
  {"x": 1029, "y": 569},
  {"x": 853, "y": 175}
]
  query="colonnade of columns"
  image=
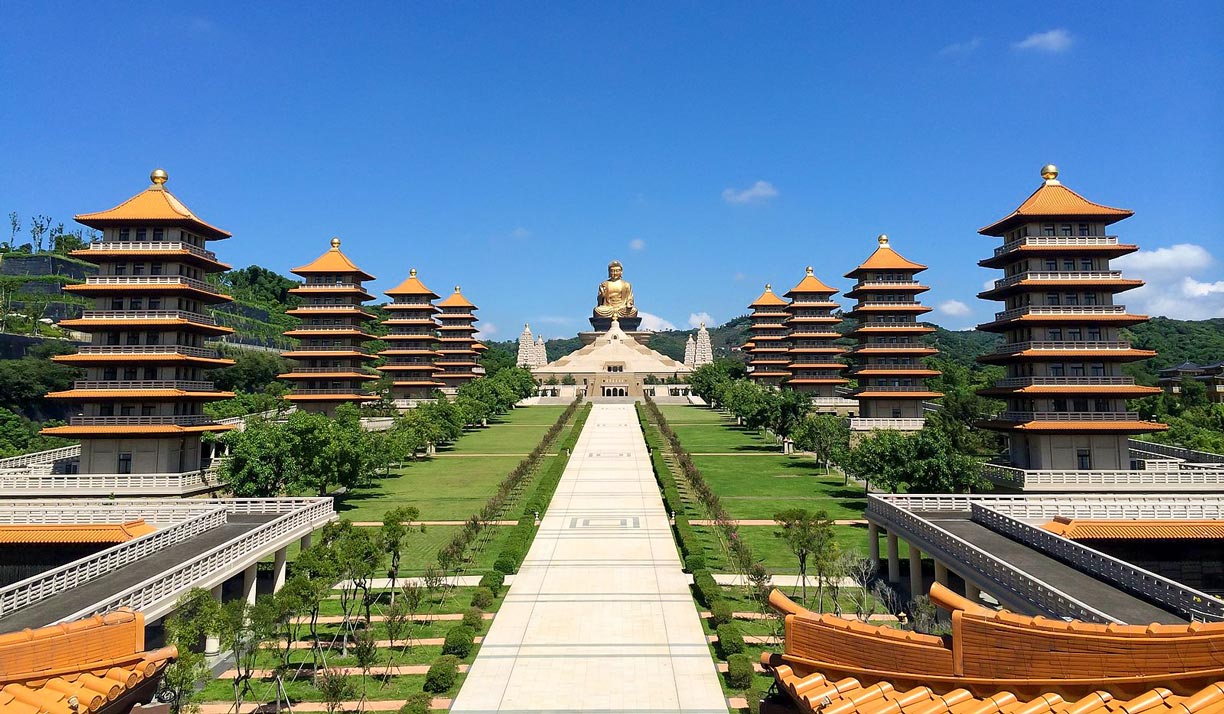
[
  {"x": 917, "y": 584},
  {"x": 280, "y": 561}
]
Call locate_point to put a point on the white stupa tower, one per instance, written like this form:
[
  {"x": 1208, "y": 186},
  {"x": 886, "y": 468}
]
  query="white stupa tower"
[
  {"x": 703, "y": 352},
  {"x": 690, "y": 352},
  {"x": 541, "y": 353},
  {"x": 526, "y": 348}
]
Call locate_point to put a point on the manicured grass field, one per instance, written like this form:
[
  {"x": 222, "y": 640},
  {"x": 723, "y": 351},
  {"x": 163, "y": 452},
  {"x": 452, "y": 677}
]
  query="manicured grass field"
[
  {"x": 760, "y": 486},
  {"x": 677, "y": 414},
  {"x": 773, "y": 552}
]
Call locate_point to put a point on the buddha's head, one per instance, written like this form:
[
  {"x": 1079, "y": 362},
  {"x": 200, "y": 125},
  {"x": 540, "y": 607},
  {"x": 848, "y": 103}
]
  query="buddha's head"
[{"x": 615, "y": 270}]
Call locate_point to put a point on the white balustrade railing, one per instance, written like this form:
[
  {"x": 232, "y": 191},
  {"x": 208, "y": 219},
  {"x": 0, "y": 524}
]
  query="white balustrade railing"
[
  {"x": 152, "y": 280},
  {"x": 1055, "y": 310},
  {"x": 1146, "y": 584},
  {"x": 107, "y": 484},
  {"x": 1068, "y": 416},
  {"x": 52, "y": 582},
  {"x": 1064, "y": 381},
  {"x": 1004, "y": 578},
  {"x": 867, "y": 386},
  {"x": 889, "y": 303},
  {"x": 1044, "y": 507},
  {"x": 834, "y": 402},
  {"x": 172, "y": 419},
  {"x": 1056, "y": 275},
  {"x": 49, "y": 456},
  {"x": 327, "y": 328},
  {"x": 145, "y": 246},
  {"x": 906, "y": 346},
  {"x": 1129, "y": 479},
  {"x": 62, "y": 511},
  {"x": 148, "y": 315},
  {"x": 157, "y": 594},
  {"x": 328, "y": 286},
  {"x": 148, "y": 350},
  {"x": 889, "y": 424},
  {"x": 1178, "y": 452},
  {"x": 183, "y": 384},
  {"x": 887, "y": 284},
  {"x": 1063, "y": 345},
  {"x": 329, "y": 348},
  {"x": 352, "y": 391},
  {"x": 1055, "y": 241}
]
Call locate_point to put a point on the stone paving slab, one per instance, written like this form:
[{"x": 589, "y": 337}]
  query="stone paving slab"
[{"x": 600, "y": 617}]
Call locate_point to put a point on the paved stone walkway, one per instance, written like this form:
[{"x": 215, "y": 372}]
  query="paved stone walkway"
[{"x": 599, "y": 617}]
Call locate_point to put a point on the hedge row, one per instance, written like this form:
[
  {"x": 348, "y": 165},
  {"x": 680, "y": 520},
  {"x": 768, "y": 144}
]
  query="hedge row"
[
  {"x": 519, "y": 541},
  {"x": 686, "y": 537}
]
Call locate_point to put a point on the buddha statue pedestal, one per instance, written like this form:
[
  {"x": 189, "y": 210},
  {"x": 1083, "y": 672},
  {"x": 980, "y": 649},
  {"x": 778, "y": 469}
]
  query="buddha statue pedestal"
[{"x": 603, "y": 324}]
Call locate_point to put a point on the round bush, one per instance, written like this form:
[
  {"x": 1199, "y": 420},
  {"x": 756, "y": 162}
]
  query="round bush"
[
  {"x": 442, "y": 674},
  {"x": 474, "y": 618},
  {"x": 459, "y": 641},
  {"x": 694, "y": 562},
  {"x": 739, "y": 671},
  {"x": 492, "y": 581},
  {"x": 482, "y": 598},
  {"x": 418, "y": 703},
  {"x": 506, "y": 563},
  {"x": 730, "y": 641},
  {"x": 720, "y": 613}
]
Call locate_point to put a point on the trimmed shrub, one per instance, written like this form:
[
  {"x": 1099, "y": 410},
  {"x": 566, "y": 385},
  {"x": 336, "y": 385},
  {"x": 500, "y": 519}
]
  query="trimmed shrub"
[
  {"x": 707, "y": 590},
  {"x": 459, "y": 641},
  {"x": 418, "y": 703},
  {"x": 482, "y": 598},
  {"x": 473, "y": 617},
  {"x": 492, "y": 581},
  {"x": 720, "y": 613},
  {"x": 695, "y": 562},
  {"x": 739, "y": 671},
  {"x": 730, "y": 641},
  {"x": 442, "y": 674},
  {"x": 506, "y": 563}
]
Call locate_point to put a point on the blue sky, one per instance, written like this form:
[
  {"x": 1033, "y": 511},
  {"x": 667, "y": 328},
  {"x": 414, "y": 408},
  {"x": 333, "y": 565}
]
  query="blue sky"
[{"x": 516, "y": 148}]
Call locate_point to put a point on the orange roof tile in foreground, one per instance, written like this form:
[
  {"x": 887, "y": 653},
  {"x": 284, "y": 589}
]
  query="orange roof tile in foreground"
[
  {"x": 769, "y": 299},
  {"x": 1053, "y": 200},
  {"x": 1091, "y": 529},
  {"x": 412, "y": 285},
  {"x": 154, "y": 204},
  {"x": 333, "y": 261},
  {"x": 27, "y": 534},
  {"x": 1005, "y": 662},
  {"x": 810, "y": 285},
  {"x": 885, "y": 258},
  {"x": 101, "y": 661}
]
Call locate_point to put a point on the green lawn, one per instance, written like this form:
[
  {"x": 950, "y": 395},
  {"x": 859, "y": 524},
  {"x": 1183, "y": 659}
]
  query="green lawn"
[
  {"x": 677, "y": 414},
  {"x": 443, "y": 489},
  {"x": 772, "y": 551},
  {"x": 760, "y": 486}
]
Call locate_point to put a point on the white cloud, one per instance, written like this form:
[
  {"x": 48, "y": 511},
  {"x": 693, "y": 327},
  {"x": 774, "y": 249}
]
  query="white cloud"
[
  {"x": 637, "y": 244},
  {"x": 988, "y": 285},
  {"x": 654, "y": 322},
  {"x": 954, "y": 308},
  {"x": 1172, "y": 290},
  {"x": 697, "y": 319},
  {"x": 740, "y": 276},
  {"x": 1051, "y": 41},
  {"x": 487, "y": 330},
  {"x": 758, "y": 192},
  {"x": 961, "y": 48},
  {"x": 520, "y": 233}
]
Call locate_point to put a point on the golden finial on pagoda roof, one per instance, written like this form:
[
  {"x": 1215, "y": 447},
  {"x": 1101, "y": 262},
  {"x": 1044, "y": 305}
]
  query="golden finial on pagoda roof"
[
  {"x": 159, "y": 177},
  {"x": 809, "y": 270},
  {"x": 1049, "y": 172},
  {"x": 335, "y": 243},
  {"x": 883, "y": 239},
  {"x": 456, "y": 288},
  {"x": 412, "y": 272},
  {"x": 768, "y": 287}
]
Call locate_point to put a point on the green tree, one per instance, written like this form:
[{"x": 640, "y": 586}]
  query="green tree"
[
  {"x": 262, "y": 459},
  {"x": 395, "y": 528},
  {"x": 197, "y": 614},
  {"x": 826, "y": 436},
  {"x": 809, "y": 536},
  {"x": 253, "y": 371}
]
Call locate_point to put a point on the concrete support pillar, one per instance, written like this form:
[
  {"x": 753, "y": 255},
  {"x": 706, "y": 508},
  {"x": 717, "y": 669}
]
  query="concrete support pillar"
[
  {"x": 212, "y": 640},
  {"x": 972, "y": 592},
  {"x": 304, "y": 541},
  {"x": 915, "y": 572},
  {"x": 279, "y": 569},
  {"x": 941, "y": 573},
  {"x": 873, "y": 545},
  {"x": 250, "y": 577},
  {"x": 894, "y": 560}
]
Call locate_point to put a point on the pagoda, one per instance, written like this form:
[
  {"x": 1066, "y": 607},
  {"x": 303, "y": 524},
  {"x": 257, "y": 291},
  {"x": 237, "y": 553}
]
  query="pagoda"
[
  {"x": 411, "y": 341},
  {"x": 457, "y": 350},
  {"x": 330, "y": 355},
  {"x": 141, "y": 402},
  {"x": 814, "y": 366},
  {"x": 888, "y": 360},
  {"x": 767, "y": 347},
  {"x": 1065, "y": 389}
]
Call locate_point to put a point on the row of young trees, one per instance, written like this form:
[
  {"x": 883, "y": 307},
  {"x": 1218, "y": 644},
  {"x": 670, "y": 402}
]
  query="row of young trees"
[{"x": 309, "y": 452}]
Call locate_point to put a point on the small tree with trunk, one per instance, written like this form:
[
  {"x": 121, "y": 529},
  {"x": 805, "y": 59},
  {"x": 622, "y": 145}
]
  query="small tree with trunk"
[
  {"x": 394, "y": 529},
  {"x": 810, "y": 538}
]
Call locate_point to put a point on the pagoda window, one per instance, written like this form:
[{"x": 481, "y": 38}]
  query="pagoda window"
[
  {"x": 155, "y": 269},
  {"x": 1098, "y": 369},
  {"x": 146, "y": 410},
  {"x": 1059, "y": 405},
  {"x": 1090, "y": 298},
  {"x": 1052, "y": 299},
  {"x": 116, "y": 303},
  {"x": 1051, "y": 264},
  {"x": 127, "y": 410},
  {"x": 1086, "y": 264},
  {"x": 1069, "y": 264},
  {"x": 1102, "y": 405},
  {"x": 133, "y": 338},
  {"x": 158, "y": 234},
  {"x": 1083, "y": 458},
  {"x": 150, "y": 373},
  {"x": 124, "y": 463},
  {"x": 141, "y": 234},
  {"x": 1065, "y": 229},
  {"x": 1079, "y": 404},
  {"x": 137, "y": 304},
  {"x": 1072, "y": 299},
  {"x": 1094, "y": 333},
  {"x": 1077, "y": 369},
  {"x": 155, "y": 303},
  {"x": 129, "y": 374},
  {"x": 1047, "y": 229},
  {"x": 1084, "y": 229},
  {"x": 1054, "y": 333},
  {"x": 112, "y": 338},
  {"x": 106, "y": 410},
  {"x": 1075, "y": 334},
  {"x": 110, "y": 374},
  {"x": 125, "y": 234},
  {"x": 120, "y": 268},
  {"x": 153, "y": 338}
]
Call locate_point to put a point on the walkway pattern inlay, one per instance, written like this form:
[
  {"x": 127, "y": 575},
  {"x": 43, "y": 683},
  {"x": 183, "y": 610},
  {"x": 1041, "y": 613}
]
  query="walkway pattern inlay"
[{"x": 599, "y": 617}]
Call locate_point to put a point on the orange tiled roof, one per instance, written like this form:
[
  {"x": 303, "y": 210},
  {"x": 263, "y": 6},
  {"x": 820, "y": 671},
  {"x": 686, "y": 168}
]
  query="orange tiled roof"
[
  {"x": 144, "y": 429},
  {"x": 456, "y": 299},
  {"x": 1053, "y": 200},
  {"x": 1087, "y": 528},
  {"x": 154, "y": 204},
  {"x": 100, "y": 660},
  {"x": 769, "y": 299},
  {"x": 26, "y": 534},
  {"x": 885, "y": 258},
  {"x": 138, "y": 394},
  {"x": 1109, "y": 427},
  {"x": 810, "y": 285},
  {"x": 413, "y": 286},
  {"x": 333, "y": 261}
]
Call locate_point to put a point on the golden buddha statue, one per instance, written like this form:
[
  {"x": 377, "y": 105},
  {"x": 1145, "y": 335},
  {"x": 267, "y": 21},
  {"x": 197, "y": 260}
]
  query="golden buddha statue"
[{"x": 615, "y": 295}]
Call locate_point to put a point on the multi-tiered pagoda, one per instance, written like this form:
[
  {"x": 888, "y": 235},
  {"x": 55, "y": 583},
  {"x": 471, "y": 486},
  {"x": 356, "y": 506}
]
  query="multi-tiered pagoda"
[
  {"x": 1065, "y": 390},
  {"x": 767, "y": 348},
  {"x": 457, "y": 348},
  {"x": 888, "y": 360},
  {"x": 413, "y": 335},
  {"x": 330, "y": 354},
  {"x": 141, "y": 402},
  {"x": 814, "y": 367}
]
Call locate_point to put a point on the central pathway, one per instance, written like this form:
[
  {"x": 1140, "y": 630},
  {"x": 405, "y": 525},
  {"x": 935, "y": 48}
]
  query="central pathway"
[{"x": 599, "y": 617}]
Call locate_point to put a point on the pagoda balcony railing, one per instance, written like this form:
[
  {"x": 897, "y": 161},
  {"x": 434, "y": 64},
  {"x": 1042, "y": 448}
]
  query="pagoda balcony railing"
[
  {"x": 886, "y": 284},
  {"x": 152, "y": 280},
  {"x": 148, "y": 350},
  {"x": 1086, "y": 310},
  {"x": 143, "y": 246},
  {"x": 334, "y": 390},
  {"x": 327, "y": 328},
  {"x": 889, "y": 367},
  {"x": 1055, "y": 241},
  {"x": 329, "y": 308},
  {"x": 1068, "y": 416},
  {"x": 1072, "y": 275},
  {"x": 1065, "y": 382},
  {"x": 331, "y": 348},
  {"x": 1076, "y": 345},
  {"x": 148, "y": 315},
  {"x": 888, "y": 424},
  {"x": 328, "y": 286},
  {"x": 799, "y": 303},
  {"x": 327, "y": 370},
  {"x": 184, "y": 384},
  {"x": 166, "y": 420},
  {"x": 890, "y": 346},
  {"x": 891, "y": 387},
  {"x": 887, "y": 303}
]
